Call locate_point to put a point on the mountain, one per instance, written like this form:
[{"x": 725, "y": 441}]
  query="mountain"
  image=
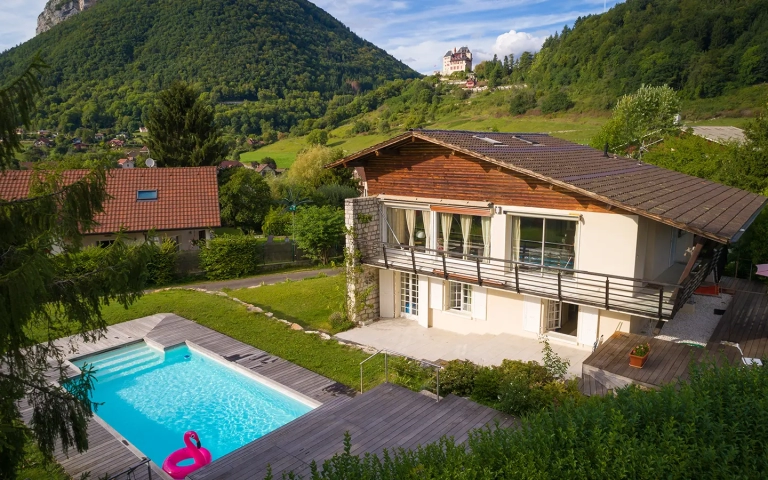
[
  {"x": 703, "y": 48},
  {"x": 56, "y": 11},
  {"x": 288, "y": 56}
]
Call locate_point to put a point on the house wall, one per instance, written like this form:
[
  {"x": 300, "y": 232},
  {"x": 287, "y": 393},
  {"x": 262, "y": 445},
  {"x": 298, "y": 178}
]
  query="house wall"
[
  {"x": 663, "y": 247},
  {"x": 185, "y": 237}
]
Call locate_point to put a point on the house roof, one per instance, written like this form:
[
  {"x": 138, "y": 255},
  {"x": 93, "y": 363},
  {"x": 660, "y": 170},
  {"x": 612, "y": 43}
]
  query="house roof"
[
  {"x": 720, "y": 134},
  {"x": 689, "y": 203},
  {"x": 186, "y": 197}
]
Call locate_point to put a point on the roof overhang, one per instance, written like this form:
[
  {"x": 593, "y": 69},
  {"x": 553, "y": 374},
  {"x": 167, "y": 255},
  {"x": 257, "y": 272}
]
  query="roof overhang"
[{"x": 413, "y": 135}]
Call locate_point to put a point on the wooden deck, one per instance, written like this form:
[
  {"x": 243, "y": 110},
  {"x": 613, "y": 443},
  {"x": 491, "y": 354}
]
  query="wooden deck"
[
  {"x": 109, "y": 453},
  {"x": 668, "y": 362},
  {"x": 746, "y": 320},
  {"x": 386, "y": 417}
]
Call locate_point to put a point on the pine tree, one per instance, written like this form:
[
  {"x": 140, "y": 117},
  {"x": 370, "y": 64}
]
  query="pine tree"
[
  {"x": 44, "y": 296},
  {"x": 182, "y": 130}
]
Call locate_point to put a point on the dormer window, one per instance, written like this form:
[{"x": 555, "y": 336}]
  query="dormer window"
[{"x": 146, "y": 195}]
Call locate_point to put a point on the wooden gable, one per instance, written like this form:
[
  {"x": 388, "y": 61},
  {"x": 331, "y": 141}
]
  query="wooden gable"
[{"x": 423, "y": 169}]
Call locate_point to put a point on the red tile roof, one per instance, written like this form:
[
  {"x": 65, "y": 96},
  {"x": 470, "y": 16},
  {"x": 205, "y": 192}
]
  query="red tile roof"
[{"x": 186, "y": 197}]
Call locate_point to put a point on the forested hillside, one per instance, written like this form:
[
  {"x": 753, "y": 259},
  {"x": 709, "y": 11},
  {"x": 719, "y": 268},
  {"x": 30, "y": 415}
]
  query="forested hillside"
[
  {"x": 107, "y": 62},
  {"x": 701, "y": 48}
]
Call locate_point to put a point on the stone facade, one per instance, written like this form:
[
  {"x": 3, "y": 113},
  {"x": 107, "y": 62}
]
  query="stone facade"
[{"x": 363, "y": 220}]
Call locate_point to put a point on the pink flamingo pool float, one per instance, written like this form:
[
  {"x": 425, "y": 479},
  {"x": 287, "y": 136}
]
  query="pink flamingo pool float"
[{"x": 195, "y": 451}]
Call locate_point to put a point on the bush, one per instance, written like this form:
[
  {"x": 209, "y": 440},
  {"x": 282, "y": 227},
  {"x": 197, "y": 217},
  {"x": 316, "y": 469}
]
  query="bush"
[
  {"x": 317, "y": 137},
  {"x": 556, "y": 102},
  {"x": 383, "y": 126},
  {"x": 318, "y": 230},
  {"x": 409, "y": 373},
  {"x": 339, "y": 322},
  {"x": 522, "y": 101},
  {"x": 361, "y": 126},
  {"x": 162, "y": 266},
  {"x": 277, "y": 222},
  {"x": 230, "y": 256},
  {"x": 486, "y": 388},
  {"x": 458, "y": 377},
  {"x": 334, "y": 194}
]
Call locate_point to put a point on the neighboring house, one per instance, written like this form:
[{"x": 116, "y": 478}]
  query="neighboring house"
[
  {"x": 264, "y": 169},
  {"x": 178, "y": 203},
  {"x": 527, "y": 234},
  {"x": 44, "y": 133},
  {"x": 99, "y": 137},
  {"x": 127, "y": 162},
  {"x": 42, "y": 142},
  {"x": 457, "y": 61},
  {"x": 144, "y": 150},
  {"x": 19, "y": 131},
  {"x": 116, "y": 143},
  {"x": 143, "y": 130},
  {"x": 229, "y": 164},
  {"x": 722, "y": 135}
]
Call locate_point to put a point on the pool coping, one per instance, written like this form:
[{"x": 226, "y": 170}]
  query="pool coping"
[{"x": 165, "y": 331}]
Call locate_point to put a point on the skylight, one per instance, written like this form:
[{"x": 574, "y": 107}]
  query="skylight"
[
  {"x": 489, "y": 140},
  {"x": 146, "y": 195}
]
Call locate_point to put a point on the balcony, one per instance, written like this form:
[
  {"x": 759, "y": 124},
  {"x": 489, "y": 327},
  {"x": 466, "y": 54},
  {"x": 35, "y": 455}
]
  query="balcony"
[{"x": 633, "y": 296}]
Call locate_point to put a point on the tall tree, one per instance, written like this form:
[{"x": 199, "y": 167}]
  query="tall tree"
[
  {"x": 182, "y": 130},
  {"x": 245, "y": 199},
  {"x": 44, "y": 296}
]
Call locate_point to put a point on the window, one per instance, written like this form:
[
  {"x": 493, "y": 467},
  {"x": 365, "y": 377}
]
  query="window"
[
  {"x": 409, "y": 294},
  {"x": 201, "y": 235},
  {"x": 464, "y": 234},
  {"x": 460, "y": 296},
  {"x": 547, "y": 242},
  {"x": 104, "y": 243},
  {"x": 408, "y": 227},
  {"x": 146, "y": 195}
]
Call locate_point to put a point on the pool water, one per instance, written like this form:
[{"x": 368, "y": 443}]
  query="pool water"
[{"x": 152, "y": 397}]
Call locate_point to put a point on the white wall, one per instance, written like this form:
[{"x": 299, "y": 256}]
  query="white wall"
[
  {"x": 607, "y": 243},
  {"x": 185, "y": 237}
]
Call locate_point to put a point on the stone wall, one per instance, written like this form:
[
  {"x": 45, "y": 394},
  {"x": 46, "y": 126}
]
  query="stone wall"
[{"x": 363, "y": 238}]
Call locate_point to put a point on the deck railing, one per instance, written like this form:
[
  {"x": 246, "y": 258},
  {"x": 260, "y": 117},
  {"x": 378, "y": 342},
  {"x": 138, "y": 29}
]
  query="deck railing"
[
  {"x": 388, "y": 353},
  {"x": 634, "y": 296}
]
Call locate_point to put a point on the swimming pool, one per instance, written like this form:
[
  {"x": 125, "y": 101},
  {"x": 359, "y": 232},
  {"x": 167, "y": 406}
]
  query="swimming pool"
[{"x": 152, "y": 397}]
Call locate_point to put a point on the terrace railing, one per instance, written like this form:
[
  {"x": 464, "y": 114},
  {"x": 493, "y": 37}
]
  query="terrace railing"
[
  {"x": 634, "y": 296},
  {"x": 389, "y": 353}
]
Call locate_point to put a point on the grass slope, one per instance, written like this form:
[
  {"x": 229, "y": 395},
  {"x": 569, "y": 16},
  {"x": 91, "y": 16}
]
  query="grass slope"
[{"x": 308, "y": 302}]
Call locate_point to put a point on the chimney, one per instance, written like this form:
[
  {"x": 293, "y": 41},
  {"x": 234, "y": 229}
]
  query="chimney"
[{"x": 605, "y": 151}]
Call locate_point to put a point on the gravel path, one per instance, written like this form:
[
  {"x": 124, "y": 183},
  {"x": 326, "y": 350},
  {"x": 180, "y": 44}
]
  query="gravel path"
[
  {"x": 266, "y": 279},
  {"x": 696, "y": 326}
]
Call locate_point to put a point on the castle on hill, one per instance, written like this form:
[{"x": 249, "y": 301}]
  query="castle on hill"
[{"x": 457, "y": 61}]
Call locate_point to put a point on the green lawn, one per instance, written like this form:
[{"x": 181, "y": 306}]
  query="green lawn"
[
  {"x": 307, "y": 302},
  {"x": 326, "y": 357}
]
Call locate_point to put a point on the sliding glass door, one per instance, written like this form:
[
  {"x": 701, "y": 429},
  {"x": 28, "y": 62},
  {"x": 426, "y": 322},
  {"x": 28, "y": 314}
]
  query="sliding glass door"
[
  {"x": 407, "y": 226},
  {"x": 549, "y": 242}
]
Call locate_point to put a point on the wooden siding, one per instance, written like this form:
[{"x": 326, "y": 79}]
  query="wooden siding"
[{"x": 422, "y": 169}]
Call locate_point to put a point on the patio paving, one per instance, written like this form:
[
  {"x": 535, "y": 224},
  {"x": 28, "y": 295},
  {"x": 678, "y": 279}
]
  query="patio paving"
[{"x": 407, "y": 337}]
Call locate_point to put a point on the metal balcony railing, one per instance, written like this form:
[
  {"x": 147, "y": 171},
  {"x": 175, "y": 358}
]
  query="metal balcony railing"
[{"x": 633, "y": 296}]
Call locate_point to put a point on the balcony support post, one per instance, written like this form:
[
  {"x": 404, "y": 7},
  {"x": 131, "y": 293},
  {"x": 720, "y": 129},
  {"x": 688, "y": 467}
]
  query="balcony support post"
[
  {"x": 607, "y": 288},
  {"x": 445, "y": 269},
  {"x": 413, "y": 260},
  {"x": 517, "y": 278},
  {"x": 661, "y": 302},
  {"x": 479, "y": 278},
  {"x": 559, "y": 285}
]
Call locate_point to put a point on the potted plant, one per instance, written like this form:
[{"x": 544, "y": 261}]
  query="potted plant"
[{"x": 639, "y": 355}]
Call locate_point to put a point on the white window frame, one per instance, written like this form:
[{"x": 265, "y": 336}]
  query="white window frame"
[{"x": 459, "y": 297}]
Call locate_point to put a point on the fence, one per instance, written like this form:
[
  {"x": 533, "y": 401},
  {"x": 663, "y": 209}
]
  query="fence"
[{"x": 422, "y": 364}]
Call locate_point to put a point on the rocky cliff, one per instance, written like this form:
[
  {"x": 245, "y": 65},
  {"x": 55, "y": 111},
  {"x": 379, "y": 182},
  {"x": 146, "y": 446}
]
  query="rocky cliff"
[{"x": 56, "y": 11}]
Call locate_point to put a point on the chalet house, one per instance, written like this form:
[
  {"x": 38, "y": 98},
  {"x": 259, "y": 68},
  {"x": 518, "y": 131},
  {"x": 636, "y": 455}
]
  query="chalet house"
[
  {"x": 177, "y": 203},
  {"x": 116, "y": 143},
  {"x": 42, "y": 142},
  {"x": 527, "y": 234},
  {"x": 99, "y": 137},
  {"x": 144, "y": 150},
  {"x": 265, "y": 170},
  {"x": 229, "y": 164}
]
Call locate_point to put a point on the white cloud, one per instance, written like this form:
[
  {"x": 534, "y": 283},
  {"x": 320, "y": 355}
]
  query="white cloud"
[{"x": 517, "y": 43}]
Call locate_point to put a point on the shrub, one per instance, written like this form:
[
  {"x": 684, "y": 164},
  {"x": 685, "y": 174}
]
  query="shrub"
[
  {"x": 277, "y": 222},
  {"x": 318, "y": 230},
  {"x": 161, "y": 268},
  {"x": 361, "y": 126},
  {"x": 486, "y": 388},
  {"x": 458, "y": 377},
  {"x": 522, "y": 101},
  {"x": 317, "y": 137},
  {"x": 409, "y": 373},
  {"x": 334, "y": 194},
  {"x": 556, "y": 102},
  {"x": 383, "y": 126},
  {"x": 230, "y": 256},
  {"x": 339, "y": 322}
]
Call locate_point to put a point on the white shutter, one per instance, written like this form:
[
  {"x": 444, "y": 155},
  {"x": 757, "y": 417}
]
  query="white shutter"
[
  {"x": 531, "y": 314},
  {"x": 423, "y": 301},
  {"x": 436, "y": 293},
  {"x": 387, "y": 293},
  {"x": 479, "y": 302},
  {"x": 587, "y": 326}
]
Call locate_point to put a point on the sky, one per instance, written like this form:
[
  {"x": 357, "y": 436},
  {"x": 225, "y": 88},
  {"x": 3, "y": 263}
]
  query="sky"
[{"x": 417, "y": 32}]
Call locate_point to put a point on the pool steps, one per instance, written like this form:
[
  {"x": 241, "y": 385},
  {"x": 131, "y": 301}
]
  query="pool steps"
[{"x": 111, "y": 365}]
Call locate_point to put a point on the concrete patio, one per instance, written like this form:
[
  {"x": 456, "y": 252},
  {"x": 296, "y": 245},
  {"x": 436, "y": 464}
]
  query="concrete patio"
[{"x": 407, "y": 337}]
